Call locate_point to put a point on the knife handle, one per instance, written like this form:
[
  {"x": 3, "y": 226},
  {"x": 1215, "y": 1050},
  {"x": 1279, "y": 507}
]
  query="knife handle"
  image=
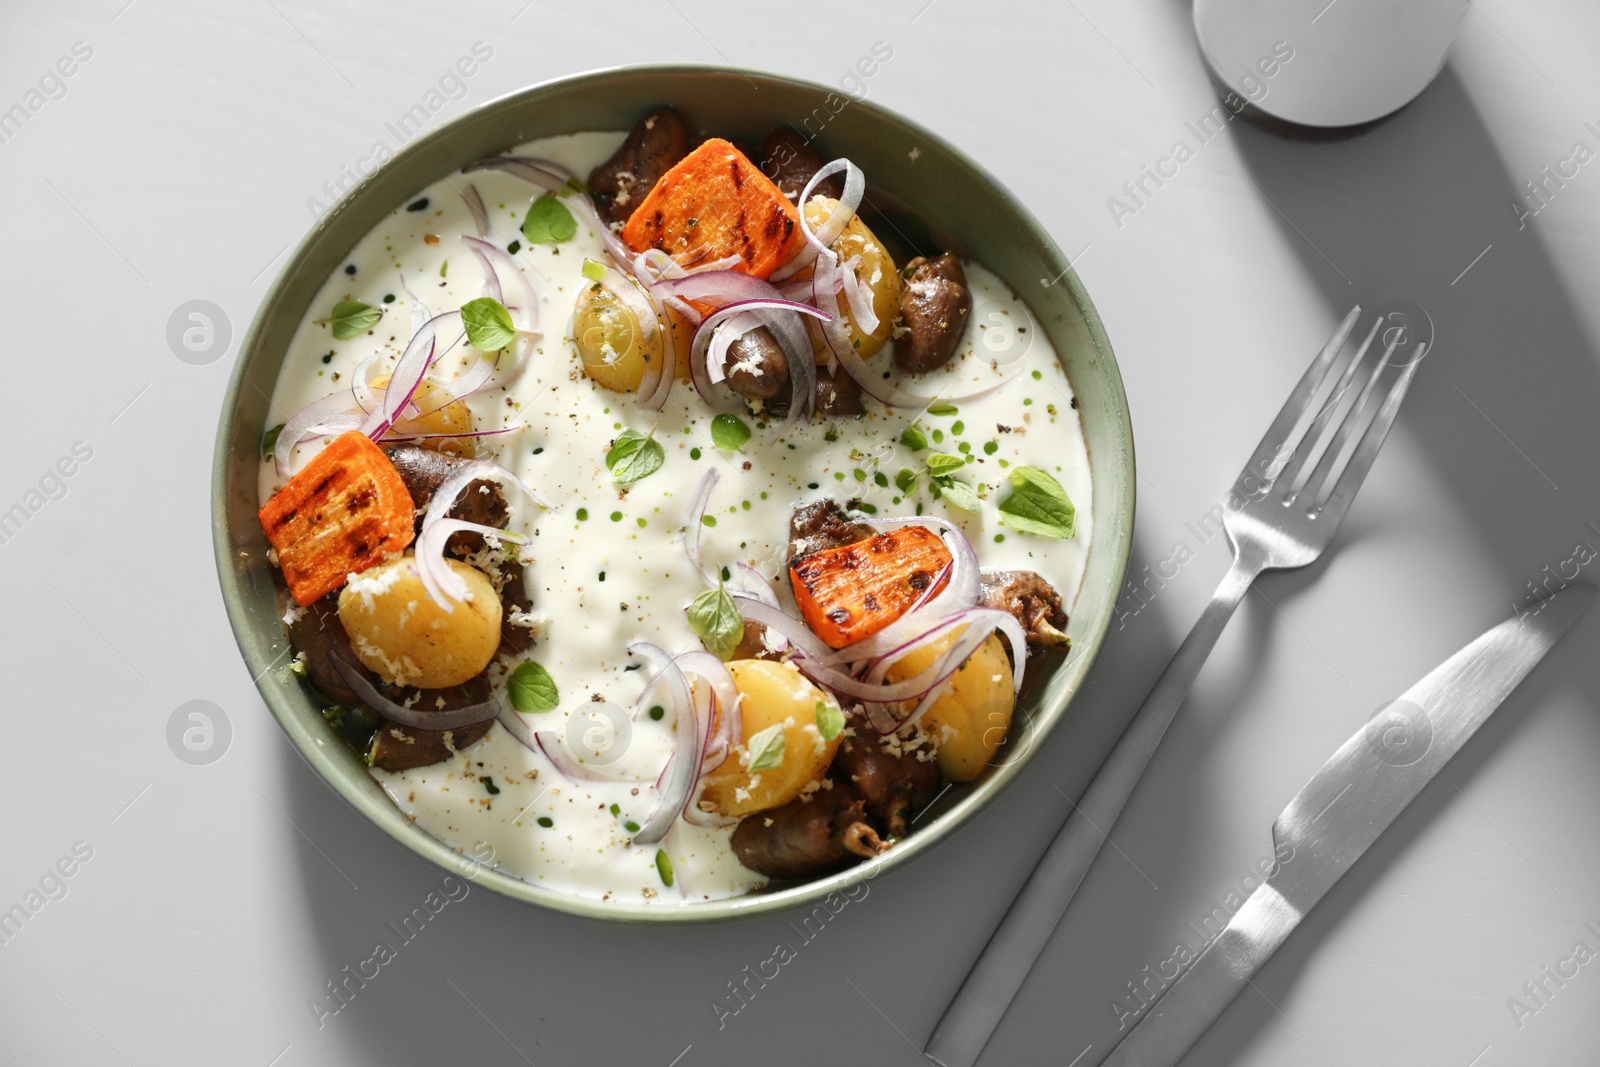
[{"x": 989, "y": 987}]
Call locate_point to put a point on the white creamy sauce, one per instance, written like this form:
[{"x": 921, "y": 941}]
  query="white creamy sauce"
[{"x": 609, "y": 567}]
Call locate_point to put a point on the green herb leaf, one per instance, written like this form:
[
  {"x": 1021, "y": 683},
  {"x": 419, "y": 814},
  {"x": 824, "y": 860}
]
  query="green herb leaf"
[
  {"x": 943, "y": 463},
  {"x": 1037, "y": 504},
  {"x": 488, "y": 783},
  {"x": 270, "y": 441},
  {"x": 664, "y": 867},
  {"x": 531, "y": 689},
  {"x": 942, "y": 409},
  {"x": 634, "y": 456},
  {"x": 488, "y": 323},
  {"x": 548, "y": 222},
  {"x": 766, "y": 748},
  {"x": 729, "y": 433},
  {"x": 594, "y": 270},
  {"x": 352, "y": 318},
  {"x": 830, "y": 721},
  {"x": 959, "y": 494},
  {"x": 906, "y": 480},
  {"x": 913, "y": 438},
  {"x": 715, "y": 619}
]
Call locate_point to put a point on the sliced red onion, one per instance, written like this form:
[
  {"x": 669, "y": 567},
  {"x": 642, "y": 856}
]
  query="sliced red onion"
[
  {"x": 818, "y": 243},
  {"x": 419, "y": 311},
  {"x": 480, "y": 214},
  {"x": 407, "y": 376},
  {"x": 328, "y": 416},
  {"x": 720, "y": 287},
  {"x": 915, "y": 621},
  {"x": 525, "y": 313},
  {"x": 963, "y": 590},
  {"x": 806, "y": 643},
  {"x": 437, "y": 577},
  {"x": 418, "y": 717},
  {"x": 958, "y": 654},
  {"x": 550, "y": 745},
  {"x": 683, "y": 769},
  {"x": 463, "y": 475},
  {"x": 752, "y": 581},
  {"x": 858, "y": 295},
  {"x": 785, "y": 330},
  {"x": 719, "y": 681},
  {"x": 462, "y": 385},
  {"x": 697, "y": 511},
  {"x": 361, "y": 388},
  {"x": 392, "y": 436},
  {"x": 551, "y": 177}
]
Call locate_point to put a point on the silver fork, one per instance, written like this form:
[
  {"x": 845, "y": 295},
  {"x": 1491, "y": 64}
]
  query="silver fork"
[{"x": 1280, "y": 518}]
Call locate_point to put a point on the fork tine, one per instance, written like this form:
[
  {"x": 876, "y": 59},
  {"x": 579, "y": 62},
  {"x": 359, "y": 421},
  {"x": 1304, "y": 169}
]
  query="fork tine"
[
  {"x": 1344, "y": 490},
  {"x": 1307, "y": 445},
  {"x": 1253, "y": 477},
  {"x": 1330, "y": 455}
]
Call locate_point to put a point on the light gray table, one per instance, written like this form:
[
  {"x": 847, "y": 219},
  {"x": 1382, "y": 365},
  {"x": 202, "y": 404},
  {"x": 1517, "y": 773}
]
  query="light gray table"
[{"x": 176, "y": 163}]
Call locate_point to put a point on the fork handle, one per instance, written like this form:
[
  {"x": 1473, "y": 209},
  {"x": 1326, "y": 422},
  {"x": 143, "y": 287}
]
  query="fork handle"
[{"x": 977, "y": 1007}]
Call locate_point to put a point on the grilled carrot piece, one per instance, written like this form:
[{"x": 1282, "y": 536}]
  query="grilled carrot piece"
[
  {"x": 346, "y": 511},
  {"x": 714, "y": 203},
  {"x": 853, "y": 591}
]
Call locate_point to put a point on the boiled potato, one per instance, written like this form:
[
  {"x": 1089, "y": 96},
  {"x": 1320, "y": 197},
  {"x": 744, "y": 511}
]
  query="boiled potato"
[
  {"x": 774, "y": 694},
  {"x": 437, "y": 417},
  {"x": 876, "y": 270},
  {"x": 970, "y": 719},
  {"x": 610, "y": 343},
  {"x": 401, "y": 635}
]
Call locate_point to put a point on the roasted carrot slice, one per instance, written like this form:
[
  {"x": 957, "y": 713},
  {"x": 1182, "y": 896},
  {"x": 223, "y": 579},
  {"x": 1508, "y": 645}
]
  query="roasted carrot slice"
[
  {"x": 853, "y": 591},
  {"x": 346, "y": 511},
  {"x": 713, "y": 203}
]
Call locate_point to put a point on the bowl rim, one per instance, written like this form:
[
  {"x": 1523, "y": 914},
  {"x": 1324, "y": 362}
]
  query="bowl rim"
[{"x": 382, "y": 811}]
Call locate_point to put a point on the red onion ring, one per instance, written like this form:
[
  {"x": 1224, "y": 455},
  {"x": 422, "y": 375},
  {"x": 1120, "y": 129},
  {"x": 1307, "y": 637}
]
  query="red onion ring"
[
  {"x": 855, "y": 187},
  {"x": 436, "y": 575},
  {"x": 331, "y": 415},
  {"x": 683, "y": 769},
  {"x": 480, "y": 214},
  {"x": 463, "y": 475},
  {"x": 549, "y": 745},
  {"x": 806, "y": 643},
  {"x": 436, "y": 719},
  {"x": 697, "y": 511},
  {"x": 492, "y": 256}
]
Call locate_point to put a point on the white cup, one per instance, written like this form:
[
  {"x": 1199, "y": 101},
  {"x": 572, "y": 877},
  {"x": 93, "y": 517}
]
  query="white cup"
[{"x": 1325, "y": 64}]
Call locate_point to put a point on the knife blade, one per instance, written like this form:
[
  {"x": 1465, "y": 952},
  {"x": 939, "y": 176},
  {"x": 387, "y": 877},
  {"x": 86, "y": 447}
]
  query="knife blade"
[{"x": 1347, "y": 804}]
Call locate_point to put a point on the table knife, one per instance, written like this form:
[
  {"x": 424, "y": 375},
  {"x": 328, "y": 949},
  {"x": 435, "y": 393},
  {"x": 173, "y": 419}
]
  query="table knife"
[{"x": 1343, "y": 810}]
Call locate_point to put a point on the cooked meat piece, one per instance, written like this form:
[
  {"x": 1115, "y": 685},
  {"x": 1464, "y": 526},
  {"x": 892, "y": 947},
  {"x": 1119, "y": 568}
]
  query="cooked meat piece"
[
  {"x": 655, "y": 143},
  {"x": 756, "y": 367},
  {"x": 837, "y": 393},
  {"x": 807, "y": 837},
  {"x": 751, "y": 646},
  {"x": 400, "y": 748},
  {"x": 934, "y": 306},
  {"x": 823, "y": 525},
  {"x": 317, "y": 631},
  {"x": 1034, "y": 602},
  {"x": 790, "y": 161},
  {"x": 892, "y": 788},
  {"x": 424, "y": 470},
  {"x": 516, "y": 640}
]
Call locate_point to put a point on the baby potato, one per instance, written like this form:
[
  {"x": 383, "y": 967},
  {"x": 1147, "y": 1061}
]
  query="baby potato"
[
  {"x": 876, "y": 271},
  {"x": 610, "y": 343},
  {"x": 437, "y": 417},
  {"x": 970, "y": 719},
  {"x": 399, "y": 633},
  {"x": 774, "y": 694}
]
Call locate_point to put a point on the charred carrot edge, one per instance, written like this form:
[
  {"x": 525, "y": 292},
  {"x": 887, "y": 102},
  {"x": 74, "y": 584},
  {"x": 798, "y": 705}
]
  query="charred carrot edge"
[
  {"x": 348, "y": 510},
  {"x": 713, "y": 203},
  {"x": 851, "y": 592}
]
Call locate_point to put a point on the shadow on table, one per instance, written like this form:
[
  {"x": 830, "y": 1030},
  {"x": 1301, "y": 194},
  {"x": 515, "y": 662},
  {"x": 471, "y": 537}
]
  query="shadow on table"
[{"x": 1419, "y": 207}]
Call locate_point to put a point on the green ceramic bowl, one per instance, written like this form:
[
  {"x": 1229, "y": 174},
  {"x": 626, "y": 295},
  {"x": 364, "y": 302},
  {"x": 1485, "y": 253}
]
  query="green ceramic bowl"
[{"x": 970, "y": 209}]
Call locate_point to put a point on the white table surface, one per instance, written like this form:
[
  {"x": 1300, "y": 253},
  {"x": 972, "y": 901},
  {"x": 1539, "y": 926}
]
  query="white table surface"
[{"x": 219, "y": 899}]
